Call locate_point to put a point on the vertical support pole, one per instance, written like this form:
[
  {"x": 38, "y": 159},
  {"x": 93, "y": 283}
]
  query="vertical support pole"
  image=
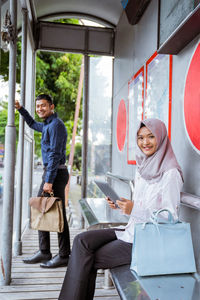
[
  {"x": 9, "y": 168},
  {"x": 108, "y": 284},
  {"x": 85, "y": 131},
  {"x": 72, "y": 149},
  {"x": 0, "y": 30},
  {"x": 19, "y": 193},
  {"x": 29, "y": 171}
]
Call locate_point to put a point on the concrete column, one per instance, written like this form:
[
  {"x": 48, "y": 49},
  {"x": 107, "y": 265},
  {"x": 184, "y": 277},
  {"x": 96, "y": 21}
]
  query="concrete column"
[
  {"x": 85, "y": 131},
  {"x": 9, "y": 166},
  {"x": 20, "y": 162}
]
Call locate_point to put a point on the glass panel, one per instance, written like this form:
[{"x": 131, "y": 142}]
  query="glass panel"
[
  {"x": 99, "y": 129},
  {"x": 158, "y": 97},
  {"x": 172, "y": 13}
]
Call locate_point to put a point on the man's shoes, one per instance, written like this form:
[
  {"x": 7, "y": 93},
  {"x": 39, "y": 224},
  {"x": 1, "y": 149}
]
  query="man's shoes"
[
  {"x": 55, "y": 262},
  {"x": 38, "y": 257}
]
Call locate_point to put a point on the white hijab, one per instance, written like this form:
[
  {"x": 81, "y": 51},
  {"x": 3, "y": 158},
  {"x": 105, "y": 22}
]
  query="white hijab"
[{"x": 152, "y": 168}]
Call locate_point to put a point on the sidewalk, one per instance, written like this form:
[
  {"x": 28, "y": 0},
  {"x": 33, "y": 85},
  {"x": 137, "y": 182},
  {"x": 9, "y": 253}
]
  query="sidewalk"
[
  {"x": 74, "y": 197},
  {"x": 32, "y": 282}
]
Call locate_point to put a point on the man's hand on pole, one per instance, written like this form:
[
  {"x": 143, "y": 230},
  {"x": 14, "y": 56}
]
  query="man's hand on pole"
[{"x": 17, "y": 104}]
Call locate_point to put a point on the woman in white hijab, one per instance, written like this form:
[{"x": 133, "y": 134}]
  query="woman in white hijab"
[{"x": 158, "y": 182}]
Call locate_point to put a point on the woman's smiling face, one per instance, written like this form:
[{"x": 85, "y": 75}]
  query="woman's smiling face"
[{"x": 146, "y": 141}]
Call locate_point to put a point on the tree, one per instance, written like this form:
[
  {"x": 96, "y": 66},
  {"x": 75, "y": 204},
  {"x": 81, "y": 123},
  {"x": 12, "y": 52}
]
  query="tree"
[
  {"x": 77, "y": 156},
  {"x": 57, "y": 74},
  {"x": 4, "y": 63}
]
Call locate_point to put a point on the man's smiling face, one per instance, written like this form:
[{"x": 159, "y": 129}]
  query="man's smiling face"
[{"x": 44, "y": 109}]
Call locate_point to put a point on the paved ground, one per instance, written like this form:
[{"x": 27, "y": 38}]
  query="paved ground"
[
  {"x": 74, "y": 196},
  {"x": 35, "y": 282},
  {"x": 32, "y": 282}
]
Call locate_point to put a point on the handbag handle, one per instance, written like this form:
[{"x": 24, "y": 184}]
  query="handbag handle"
[
  {"x": 50, "y": 194},
  {"x": 155, "y": 216},
  {"x": 44, "y": 203}
]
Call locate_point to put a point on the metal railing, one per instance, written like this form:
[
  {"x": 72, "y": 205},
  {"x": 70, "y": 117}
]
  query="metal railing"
[{"x": 126, "y": 180}]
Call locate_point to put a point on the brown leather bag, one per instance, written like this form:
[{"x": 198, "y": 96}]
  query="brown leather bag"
[{"x": 47, "y": 214}]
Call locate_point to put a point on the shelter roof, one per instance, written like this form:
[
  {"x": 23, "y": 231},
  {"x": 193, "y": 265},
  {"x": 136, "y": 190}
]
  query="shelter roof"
[{"x": 107, "y": 12}]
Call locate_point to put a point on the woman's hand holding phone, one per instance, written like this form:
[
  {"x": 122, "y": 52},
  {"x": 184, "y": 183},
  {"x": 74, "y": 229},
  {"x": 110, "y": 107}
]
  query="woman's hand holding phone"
[
  {"x": 111, "y": 203},
  {"x": 125, "y": 205}
]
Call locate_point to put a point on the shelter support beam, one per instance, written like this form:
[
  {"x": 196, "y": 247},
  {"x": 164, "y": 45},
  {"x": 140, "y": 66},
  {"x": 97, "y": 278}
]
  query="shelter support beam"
[
  {"x": 9, "y": 167},
  {"x": 20, "y": 162},
  {"x": 85, "y": 132}
]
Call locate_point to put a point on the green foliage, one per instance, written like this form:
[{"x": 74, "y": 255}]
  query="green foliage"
[
  {"x": 4, "y": 63},
  {"x": 37, "y": 140},
  {"x": 57, "y": 74},
  {"x": 67, "y": 21},
  {"x": 69, "y": 125},
  {"x": 77, "y": 157}
]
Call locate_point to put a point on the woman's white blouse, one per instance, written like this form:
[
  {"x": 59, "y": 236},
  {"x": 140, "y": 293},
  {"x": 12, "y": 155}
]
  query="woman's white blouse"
[{"x": 150, "y": 197}]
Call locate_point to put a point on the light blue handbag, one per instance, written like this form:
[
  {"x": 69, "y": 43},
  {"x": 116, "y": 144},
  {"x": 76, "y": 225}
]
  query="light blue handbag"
[{"x": 162, "y": 247}]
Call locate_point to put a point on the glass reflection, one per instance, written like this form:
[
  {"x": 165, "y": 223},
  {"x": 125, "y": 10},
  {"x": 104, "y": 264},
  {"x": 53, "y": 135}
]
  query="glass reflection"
[{"x": 100, "y": 111}]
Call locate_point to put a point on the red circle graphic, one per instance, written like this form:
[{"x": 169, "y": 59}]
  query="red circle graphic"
[{"x": 192, "y": 100}]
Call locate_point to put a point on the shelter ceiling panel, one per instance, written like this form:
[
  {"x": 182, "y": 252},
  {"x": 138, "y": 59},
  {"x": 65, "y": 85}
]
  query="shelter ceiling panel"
[
  {"x": 100, "y": 41},
  {"x": 59, "y": 37},
  {"x": 108, "y": 10},
  {"x": 75, "y": 38}
]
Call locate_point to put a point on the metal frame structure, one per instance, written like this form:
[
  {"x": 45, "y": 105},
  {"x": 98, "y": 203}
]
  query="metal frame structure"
[{"x": 9, "y": 170}]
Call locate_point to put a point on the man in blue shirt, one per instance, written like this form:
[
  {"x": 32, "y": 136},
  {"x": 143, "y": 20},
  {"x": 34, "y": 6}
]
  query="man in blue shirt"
[{"x": 55, "y": 176}]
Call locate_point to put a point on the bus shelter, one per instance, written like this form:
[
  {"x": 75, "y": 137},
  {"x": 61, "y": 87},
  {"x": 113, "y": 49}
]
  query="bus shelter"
[{"x": 152, "y": 51}]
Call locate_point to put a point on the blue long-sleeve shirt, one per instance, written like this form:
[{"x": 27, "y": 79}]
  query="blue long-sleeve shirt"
[{"x": 53, "y": 142}]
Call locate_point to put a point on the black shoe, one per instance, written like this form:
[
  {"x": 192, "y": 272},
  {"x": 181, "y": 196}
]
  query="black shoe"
[
  {"x": 55, "y": 262},
  {"x": 37, "y": 258}
]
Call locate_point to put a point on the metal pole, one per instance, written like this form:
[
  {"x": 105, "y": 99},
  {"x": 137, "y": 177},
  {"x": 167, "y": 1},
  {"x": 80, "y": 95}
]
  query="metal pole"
[
  {"x": 31, "y": 145},
  {"x": 0, "y": 30},
  {"x": 108, "y": 284},
  {"x": 85, "y": 132},
  {"x": 19, "y": 193},
  {"x": 9, "y": 167},
  {"x": 72, "y": 150}
]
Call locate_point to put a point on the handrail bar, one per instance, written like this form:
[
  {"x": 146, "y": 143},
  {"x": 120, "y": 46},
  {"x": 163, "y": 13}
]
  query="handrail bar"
[{"x": 126, "y": 180}]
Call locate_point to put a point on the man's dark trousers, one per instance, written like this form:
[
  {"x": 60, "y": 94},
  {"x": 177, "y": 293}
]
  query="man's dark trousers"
[{"x": 59, "y": 184}]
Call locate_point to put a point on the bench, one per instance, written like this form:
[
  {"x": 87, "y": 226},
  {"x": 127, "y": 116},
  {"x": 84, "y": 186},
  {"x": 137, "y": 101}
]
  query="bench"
[
  {"x": 97, "y": 214},
  {"x": 96, "y": 211},
  {"x": 173, "y": 287}
]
